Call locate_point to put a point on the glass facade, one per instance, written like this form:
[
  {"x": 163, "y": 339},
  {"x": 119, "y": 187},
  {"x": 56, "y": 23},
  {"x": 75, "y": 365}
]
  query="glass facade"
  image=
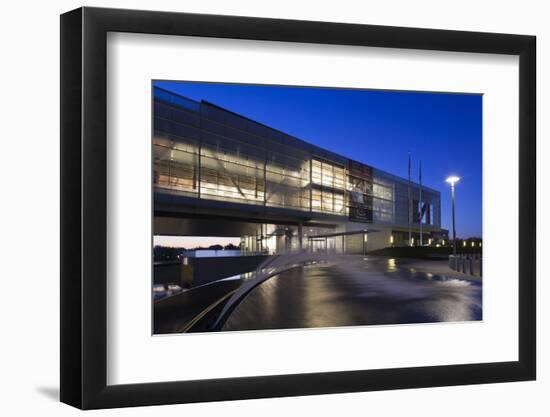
[
  {"x": 206, "y": 152},
  {"x": 383, "y": 201},
  {"x": 176, "y": 144},
  {"x": 328, "y": 192}
]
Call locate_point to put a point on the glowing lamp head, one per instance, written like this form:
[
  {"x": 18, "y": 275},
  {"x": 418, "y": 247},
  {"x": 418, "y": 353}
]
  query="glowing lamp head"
[{"x": 452, "y": 180}]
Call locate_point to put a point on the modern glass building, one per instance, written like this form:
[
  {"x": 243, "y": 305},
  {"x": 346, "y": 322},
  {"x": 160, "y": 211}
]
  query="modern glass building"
[{"x": 217, "y": 173}]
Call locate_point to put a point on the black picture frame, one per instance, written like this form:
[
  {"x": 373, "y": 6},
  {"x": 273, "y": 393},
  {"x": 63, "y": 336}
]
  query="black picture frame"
[{"x": 84, "y": 207}]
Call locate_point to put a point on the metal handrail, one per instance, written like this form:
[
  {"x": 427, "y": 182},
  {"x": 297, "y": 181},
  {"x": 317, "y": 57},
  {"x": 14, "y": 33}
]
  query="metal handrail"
[{"x": 272, "y": 266}]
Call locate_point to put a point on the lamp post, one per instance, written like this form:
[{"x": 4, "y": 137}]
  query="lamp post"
[{"x": 453, "y": 180}]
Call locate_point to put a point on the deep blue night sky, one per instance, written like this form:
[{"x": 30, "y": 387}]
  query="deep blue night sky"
[{"x": 378, "y": 128}]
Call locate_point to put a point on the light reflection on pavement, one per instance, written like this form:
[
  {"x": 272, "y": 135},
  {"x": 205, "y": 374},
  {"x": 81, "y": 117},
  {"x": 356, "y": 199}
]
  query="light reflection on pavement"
[{"x": 359, "y": 291}]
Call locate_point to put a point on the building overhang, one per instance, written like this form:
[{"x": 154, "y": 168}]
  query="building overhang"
[{"x": 171, "y": 205}]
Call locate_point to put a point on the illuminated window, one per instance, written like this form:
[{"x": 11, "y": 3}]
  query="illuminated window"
[
  {"x": 339, "y": 203},
  {"x": 174, "y": 168},
  {"x": 316, "y": 171},
  {"x": 338, "y": 177},
  {"x": 326, "y": 174},
  {"x": 316, "y": 200},
  {"x": 327, "y": 201}
]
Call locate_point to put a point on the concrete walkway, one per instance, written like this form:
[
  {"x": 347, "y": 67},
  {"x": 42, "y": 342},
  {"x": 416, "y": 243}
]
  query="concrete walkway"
[{"x": 434, "y": 267}]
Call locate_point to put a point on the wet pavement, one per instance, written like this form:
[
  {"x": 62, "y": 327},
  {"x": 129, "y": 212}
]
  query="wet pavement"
[{"x": 358, "y": 291}]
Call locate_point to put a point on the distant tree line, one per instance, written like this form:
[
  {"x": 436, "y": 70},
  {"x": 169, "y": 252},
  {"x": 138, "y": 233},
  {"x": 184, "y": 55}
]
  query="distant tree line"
[{"x": 170, "y": 254}]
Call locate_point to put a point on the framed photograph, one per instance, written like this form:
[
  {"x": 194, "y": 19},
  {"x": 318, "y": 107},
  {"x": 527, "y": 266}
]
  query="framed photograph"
[{"x": 256, "y": 208}]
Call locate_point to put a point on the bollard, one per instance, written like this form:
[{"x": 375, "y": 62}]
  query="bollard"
[
  {"x": 453, "y": 262},
  {"x": 480, "y": 265}
]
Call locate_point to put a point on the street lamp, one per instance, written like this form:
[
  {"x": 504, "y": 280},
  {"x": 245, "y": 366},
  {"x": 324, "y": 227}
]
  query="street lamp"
[{"x": 453, "y": 180}]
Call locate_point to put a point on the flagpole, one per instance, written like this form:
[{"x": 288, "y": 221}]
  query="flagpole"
[
  {"x": 410, "y": 204},
  {"x": 420, "y": 203}
]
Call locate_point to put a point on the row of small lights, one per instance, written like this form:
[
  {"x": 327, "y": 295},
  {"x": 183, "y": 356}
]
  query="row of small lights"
[{"x": 430, "y": 241}]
